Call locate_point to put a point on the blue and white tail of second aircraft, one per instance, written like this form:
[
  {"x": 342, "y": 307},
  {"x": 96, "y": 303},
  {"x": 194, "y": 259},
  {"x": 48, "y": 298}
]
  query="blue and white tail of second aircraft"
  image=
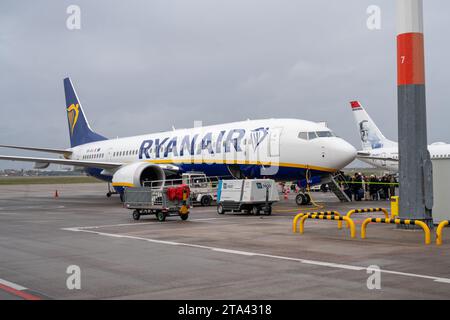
[
  {"x": 371, "y": 136},
  {"x": 381, "y": 152}
]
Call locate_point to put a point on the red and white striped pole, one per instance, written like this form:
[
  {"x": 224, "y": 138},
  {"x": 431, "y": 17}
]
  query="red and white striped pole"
[
  {"x": 410, "y": 43},
  {"x": 415, "y": 164}
]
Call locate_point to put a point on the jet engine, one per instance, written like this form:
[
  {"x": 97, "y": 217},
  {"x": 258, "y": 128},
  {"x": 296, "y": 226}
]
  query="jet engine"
[{"x": 136, "y": 174}]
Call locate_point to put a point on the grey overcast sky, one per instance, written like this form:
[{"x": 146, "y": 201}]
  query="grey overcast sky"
[{"x": 143, "y": 66}]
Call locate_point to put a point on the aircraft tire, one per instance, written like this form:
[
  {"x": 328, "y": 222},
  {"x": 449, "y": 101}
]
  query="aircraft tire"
[
  {"x": 307, "y": 198},
  {"x": 300, "y": 199}
]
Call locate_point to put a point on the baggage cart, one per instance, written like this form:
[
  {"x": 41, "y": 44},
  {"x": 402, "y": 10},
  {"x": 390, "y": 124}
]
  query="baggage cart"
[{"x": 162, "y": 202}]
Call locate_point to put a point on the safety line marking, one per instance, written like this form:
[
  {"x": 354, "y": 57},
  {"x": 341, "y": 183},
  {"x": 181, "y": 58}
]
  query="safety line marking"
[
  {"x": 12, "y": 285},
  {"x": 17, "y": 290},
  {"x": 257, "y": 254},
  {"x": 155, "y": 222}
]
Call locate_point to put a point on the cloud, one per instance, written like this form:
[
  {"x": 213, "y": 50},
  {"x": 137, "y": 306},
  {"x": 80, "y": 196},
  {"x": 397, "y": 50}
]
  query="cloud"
[{"x": 143, "y": 66}]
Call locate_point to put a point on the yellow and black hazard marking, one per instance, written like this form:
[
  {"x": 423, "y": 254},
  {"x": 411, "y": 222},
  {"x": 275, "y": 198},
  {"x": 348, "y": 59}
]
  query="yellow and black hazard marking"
[
  {"x": 419, "y": 223},
  {"x": 325, "y": 216},
  {"x": 367, "y": 210},
  {"x": 329, "y": 216},
  {"x": 323, "y": 213}
]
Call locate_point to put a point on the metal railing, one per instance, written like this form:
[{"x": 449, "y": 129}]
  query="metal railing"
[
  {"x": 439, "y": 230},
  {"x": 328, "y": 217},
  {"x": 419, "y": 223},
  {"x": 200, "y": 182},
  {"x": 323, "y": 213}
]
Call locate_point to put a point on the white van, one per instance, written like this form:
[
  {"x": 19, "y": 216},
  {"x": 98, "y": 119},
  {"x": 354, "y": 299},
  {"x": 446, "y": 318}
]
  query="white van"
[{"x": 249, "y": 195}]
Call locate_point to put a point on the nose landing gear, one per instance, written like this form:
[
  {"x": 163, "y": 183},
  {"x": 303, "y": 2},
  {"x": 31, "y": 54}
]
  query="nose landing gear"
[{"x": 303, "y": 199}]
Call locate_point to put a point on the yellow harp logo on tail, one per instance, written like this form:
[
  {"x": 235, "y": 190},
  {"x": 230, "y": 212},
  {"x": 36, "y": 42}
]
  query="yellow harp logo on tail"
[{"x": 72, "y": 115}]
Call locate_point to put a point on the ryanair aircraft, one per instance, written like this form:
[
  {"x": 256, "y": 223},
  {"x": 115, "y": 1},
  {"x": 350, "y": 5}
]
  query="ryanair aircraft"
[{"x": 281, "y": 149}]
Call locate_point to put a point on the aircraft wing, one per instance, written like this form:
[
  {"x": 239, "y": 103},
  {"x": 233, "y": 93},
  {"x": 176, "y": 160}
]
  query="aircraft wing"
[
  {"x": 49, "y": 150},
  {"x": 81, "y": 163},
  {"x": 67, "y": 162}
]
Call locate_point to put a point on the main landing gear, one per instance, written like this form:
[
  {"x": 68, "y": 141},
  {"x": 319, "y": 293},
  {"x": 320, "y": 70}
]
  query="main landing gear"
[{"x": 110, "y": 191}]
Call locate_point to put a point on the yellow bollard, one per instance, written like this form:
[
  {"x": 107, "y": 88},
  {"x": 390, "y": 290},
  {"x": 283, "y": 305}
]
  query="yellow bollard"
[
  {"x": 441, "y": 227},
  {"x": 328, "y": 217},
  {"x": 325, "y": 213},
  {"x": 366, "y": 210},
  {"x": 302, "y": 222},
  {"x": 294, "y": 222},
  {"x": 426, "y": 229},
  {"x": 421, "y": 224},
  {"x": 394, "y": 206}
]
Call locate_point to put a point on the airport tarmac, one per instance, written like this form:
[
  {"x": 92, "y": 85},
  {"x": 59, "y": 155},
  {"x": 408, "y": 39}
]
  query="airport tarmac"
[{"x": 207, "y": 257}]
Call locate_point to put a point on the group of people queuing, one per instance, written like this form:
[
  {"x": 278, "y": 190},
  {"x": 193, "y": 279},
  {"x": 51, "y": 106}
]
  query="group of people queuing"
[{"x": 360, "y": 187}]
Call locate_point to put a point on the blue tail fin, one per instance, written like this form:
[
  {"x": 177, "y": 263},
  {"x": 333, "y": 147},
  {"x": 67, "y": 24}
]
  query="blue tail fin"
[{"x": 79, "y": 130}]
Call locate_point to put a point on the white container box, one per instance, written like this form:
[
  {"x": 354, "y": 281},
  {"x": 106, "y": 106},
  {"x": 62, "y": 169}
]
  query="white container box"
[{"x": 441, "y": 190}]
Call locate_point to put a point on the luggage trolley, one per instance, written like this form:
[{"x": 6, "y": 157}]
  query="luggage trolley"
[{"x": 162, "y": 202}]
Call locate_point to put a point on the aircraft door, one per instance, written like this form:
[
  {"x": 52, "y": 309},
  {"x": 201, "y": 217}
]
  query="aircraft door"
[
  {"x": 109, "y": 154},
  {"x": 274, "y": 142},
  {"x": 383, "y": 162}
]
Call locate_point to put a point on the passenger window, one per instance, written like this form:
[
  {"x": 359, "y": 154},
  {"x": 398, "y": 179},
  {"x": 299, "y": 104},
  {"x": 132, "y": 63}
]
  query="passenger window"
[{"x": 303, "y": 135}]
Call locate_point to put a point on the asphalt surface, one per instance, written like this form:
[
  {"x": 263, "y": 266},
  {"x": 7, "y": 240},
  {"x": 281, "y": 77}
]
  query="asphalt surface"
[{"x": 235, "y": 256}]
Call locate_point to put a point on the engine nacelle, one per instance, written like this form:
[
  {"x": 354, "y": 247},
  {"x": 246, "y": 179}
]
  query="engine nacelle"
[{"x": 135, "y": 174}]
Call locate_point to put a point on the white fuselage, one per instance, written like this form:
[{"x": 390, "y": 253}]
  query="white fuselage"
[
  {"x": 437, "y": 151},
  {"x": 251, "y": 144}
]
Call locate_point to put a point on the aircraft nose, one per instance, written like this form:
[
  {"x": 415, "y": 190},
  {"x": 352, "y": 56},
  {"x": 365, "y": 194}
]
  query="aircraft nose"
[{"x": 343, "y": 153}]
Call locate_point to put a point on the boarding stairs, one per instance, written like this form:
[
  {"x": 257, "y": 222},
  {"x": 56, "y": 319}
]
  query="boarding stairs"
[{"x": 335, "y": 185}]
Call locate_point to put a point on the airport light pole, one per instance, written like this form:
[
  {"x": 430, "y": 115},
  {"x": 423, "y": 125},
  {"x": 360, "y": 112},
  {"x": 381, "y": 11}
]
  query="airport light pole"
[{"x": 416, "y": 193}]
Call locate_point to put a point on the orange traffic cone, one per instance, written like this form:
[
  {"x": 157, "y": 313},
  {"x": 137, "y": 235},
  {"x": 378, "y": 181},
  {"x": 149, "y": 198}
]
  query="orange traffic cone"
[{"x": 56, "y": 194}]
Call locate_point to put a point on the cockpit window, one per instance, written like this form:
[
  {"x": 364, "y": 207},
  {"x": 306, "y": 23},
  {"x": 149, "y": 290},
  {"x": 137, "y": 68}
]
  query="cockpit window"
[
  {"x": 324, "y": 134},
  {"x": 315, "y": 134},
  {"x": 312, "y": 135}
]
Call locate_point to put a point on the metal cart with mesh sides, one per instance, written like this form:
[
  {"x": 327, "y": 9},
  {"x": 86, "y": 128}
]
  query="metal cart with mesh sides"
[{"x": 148, "y": 201}]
